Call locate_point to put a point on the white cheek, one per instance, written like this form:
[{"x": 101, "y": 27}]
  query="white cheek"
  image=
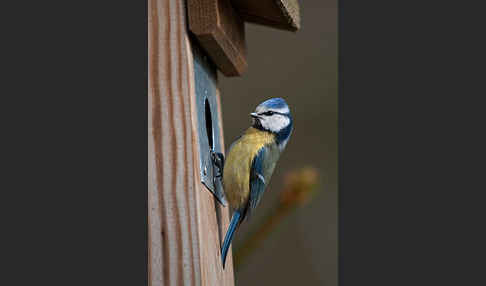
[{"x": 275, "y": 123}]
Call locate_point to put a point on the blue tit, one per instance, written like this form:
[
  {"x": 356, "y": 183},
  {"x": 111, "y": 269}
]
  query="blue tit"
[{"x": 251, "y": 159}]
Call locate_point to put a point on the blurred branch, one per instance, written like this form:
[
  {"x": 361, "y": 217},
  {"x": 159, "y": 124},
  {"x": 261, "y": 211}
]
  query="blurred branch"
[{"x": 299, "y": 188}]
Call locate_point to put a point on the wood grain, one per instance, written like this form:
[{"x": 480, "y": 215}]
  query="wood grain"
[
  {"x": 184, "y": 234},
  {"x": 279, "y": 14},
  {"x": 221, "y": 32}
]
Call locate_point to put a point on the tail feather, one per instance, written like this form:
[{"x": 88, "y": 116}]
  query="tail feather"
[{"x": 229, "y": 235}]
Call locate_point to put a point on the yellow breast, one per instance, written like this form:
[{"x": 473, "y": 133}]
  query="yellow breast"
[{"x": 236, "y": 174}]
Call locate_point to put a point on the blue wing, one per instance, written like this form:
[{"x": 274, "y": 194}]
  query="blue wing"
[
  {"x": 257, "y": 179},
  {"x": 257, "y": 186}
]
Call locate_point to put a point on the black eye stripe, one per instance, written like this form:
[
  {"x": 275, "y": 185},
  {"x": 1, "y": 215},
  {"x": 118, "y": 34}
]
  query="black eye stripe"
[{"x": 269, "y": 113}]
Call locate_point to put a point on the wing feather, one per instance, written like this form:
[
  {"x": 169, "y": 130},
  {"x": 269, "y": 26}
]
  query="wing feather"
[{"x": 257, "y": 179}]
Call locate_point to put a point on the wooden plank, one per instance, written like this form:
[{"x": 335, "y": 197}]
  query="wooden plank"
[
  {"x": 221, "y": 32},
  {"x": 279, "y": 14},
  {"x": 184, "y": 233}
]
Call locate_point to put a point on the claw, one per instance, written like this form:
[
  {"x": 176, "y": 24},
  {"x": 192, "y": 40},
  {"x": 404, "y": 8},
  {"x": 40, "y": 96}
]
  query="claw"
[{"x": 218, "y": 160}]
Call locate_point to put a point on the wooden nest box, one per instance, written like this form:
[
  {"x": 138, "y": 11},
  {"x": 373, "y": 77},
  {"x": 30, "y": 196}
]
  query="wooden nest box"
[{"x": 219, "y": 26}]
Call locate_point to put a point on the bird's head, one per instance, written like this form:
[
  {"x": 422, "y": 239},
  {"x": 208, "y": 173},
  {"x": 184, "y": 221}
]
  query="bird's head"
[{"x": 273, "y": 115}]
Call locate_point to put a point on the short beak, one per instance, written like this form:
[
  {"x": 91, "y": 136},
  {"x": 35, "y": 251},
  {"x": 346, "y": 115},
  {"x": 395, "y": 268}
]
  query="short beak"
[{"x": 254, "y": 115}]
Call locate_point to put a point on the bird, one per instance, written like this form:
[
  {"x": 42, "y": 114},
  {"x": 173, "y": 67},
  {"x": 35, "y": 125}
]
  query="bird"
[{"x": 251, "y": 160}]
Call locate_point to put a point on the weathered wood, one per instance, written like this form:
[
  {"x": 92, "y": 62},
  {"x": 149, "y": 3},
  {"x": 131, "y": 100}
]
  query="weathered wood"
[
  {"x": 184, "y": 235},
  {"x": 280, "y": 14},
  {"x": 221, "y": 32}
]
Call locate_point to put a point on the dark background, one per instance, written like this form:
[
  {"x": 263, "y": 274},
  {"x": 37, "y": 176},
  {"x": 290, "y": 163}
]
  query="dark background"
[
  {"x": 411, "y": 159},
  {"x": 302, "y": 68}
]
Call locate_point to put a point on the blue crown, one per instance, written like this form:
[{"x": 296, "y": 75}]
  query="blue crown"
[{"x": 275, "y": 103}]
